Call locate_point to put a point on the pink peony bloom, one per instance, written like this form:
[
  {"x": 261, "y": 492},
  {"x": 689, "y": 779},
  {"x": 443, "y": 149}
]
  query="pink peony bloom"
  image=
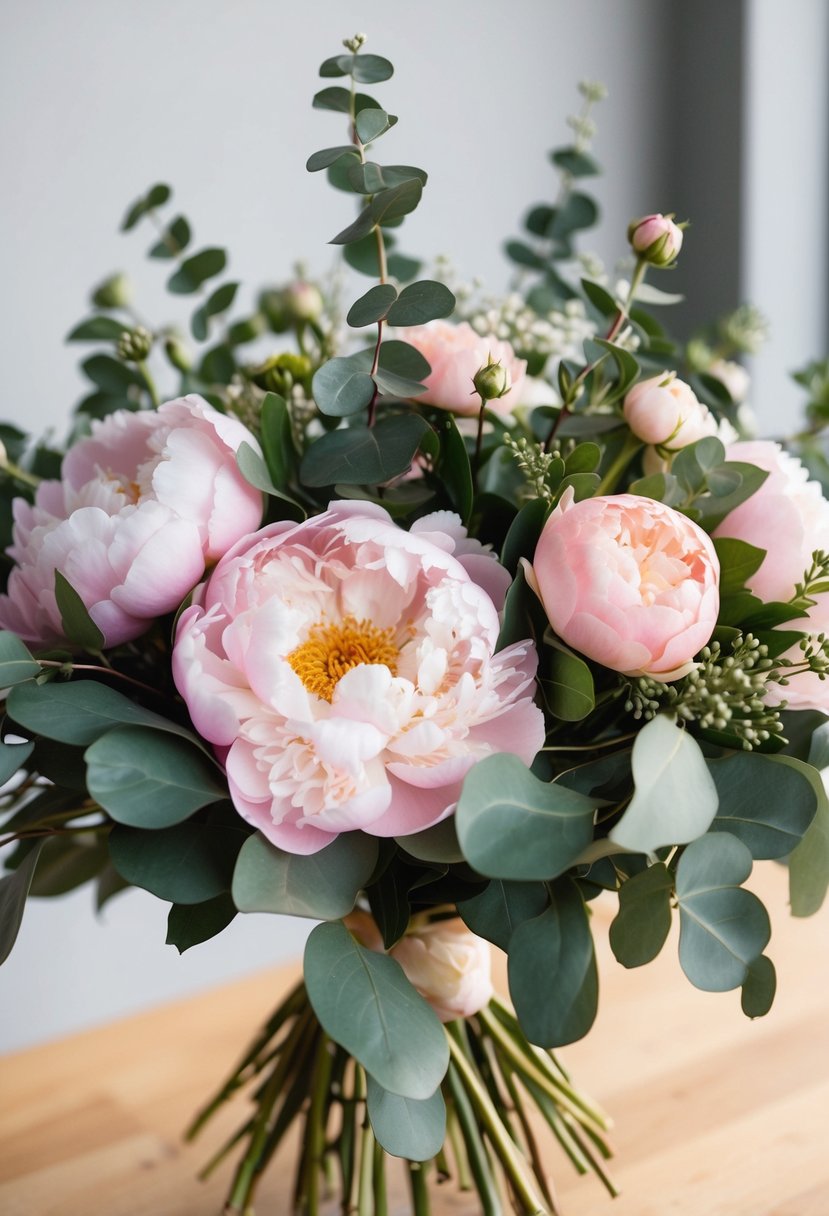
[
  {"x": 143, "y": 504},
  {"x": 349, "y": 669},
  {"x": 449, "y": 966},
  {"x": 628, "y": 582},
  {"x": 456, "y": 353},
  {"x": 789, "y": 518},
  {"x": 664, "y": 411}
]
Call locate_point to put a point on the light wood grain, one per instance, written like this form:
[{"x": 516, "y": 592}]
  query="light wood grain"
[{"x": 715, "y": 1115}]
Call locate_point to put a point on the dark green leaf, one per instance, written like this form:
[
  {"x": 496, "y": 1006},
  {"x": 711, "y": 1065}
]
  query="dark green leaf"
[
  {"x": 323, "y": 885},
  {"x": 67, "y": 862},
  {"x": 80, "y": 712},
  {"x": 437, "y": 843},
  {"x": 109, "y": 374},
  {"x": 388, "y": 899},
  {"x": 341, "y": 388},
  {"x": 96, "y": 329},
  {"x": 643, "y": 922},
  {"x": 371, "y": 178},
  {"x": 600, "y": 298},
  {"x": 277, "y": 440},
  {"x": 156, "y": 196},
  {"x": 371, "y": 69},
  {"x": 455, "y": 469},
  {"x": 356, "y": 231},
  {"x": 406, "y": 1127},
  {"x": 255, "y": 472},
  {"x": 759, "y": 988},
  {"x": 17, "y": 663},
  {"x": 723, "y": 928},
  {"x": 578, "y": 211},
  {"x": 420, "y": 302},
  {"x": 365, "y": 1003},
  {"x": 552, "y": 971},
  {"x": 372, "y": 306},
  {"x": 13, "y": 891},
  {"x": 569, "y": 687},
  {"x": 511, "y": 825},
  {"x": 78, "y": 625},
  {"x": 396, "y": 201},
  {"x": 575, "y": 162},
  {"x": 766, "y": 802},
  {"x": 738, "y": 561},
  {"x": 539, "y": 219},
  {"x": 371, "y": 123},
  {"x": 401, "y": 267},
  {"x": 191, "y": 924},
  {"x": 809, "y": 863},
  {"x": 187, "y": 864},
  {"x": 329, "y": 156},
  {"x": 523, "y": 534},
  {"x": 523, "y": 255},
  {"x": 12, "y": 756},
  {"x": 501, "y": 907},
  {"x": 148, "y": 779},
  {"x": 175, "y": 240},
  {"x": 363, "y": 456},
  {"x": 196, "y": 270}
]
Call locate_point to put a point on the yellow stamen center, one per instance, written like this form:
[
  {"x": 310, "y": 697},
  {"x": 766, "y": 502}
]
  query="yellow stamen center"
[{"x": 330, "y": 650}]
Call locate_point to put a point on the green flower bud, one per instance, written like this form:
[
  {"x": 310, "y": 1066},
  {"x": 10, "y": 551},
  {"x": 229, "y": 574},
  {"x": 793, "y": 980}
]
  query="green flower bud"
[
  {"x": 492, "y": 381},
  {"x": 114, "y": 292},
  {"x": 134, "y": 345},
  {"x": 303, "y": 301},
  {"x": 179, "y": 354}
]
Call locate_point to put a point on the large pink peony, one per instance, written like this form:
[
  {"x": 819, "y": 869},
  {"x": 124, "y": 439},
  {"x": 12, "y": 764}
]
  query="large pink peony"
[
  {"x": 455, "y": 353},
  {"x": 349, "y": 669},
  {"x": 143, "y": 504},
  {"x": 789, "y": 518},
  {"x": 628, "y": 582}
]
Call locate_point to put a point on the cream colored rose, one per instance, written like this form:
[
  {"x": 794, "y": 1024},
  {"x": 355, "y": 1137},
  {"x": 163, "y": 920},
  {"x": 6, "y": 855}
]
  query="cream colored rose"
[{"x": 449, "y": 966}]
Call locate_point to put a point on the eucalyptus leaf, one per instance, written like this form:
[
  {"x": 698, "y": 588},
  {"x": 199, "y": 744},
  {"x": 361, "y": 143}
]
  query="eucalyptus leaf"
[
  {"x": 568, "y": 683},
  {"x": 809, "y": 862},
  {"x": 437, "y": 843},
  {"x": 12, "y": 756},
  {"x": 340, "y": 388},
  {"x": 497, "y": 911},
  {"x": 723, "y": 928},
  {"x": 97, "y": 329},
  {"x": 156, "y": 196},
  {"x": 196, "y": 270},
  {"x": 17, "y": 664},
  {"x": 329, "y": 156},
  {"x": 553, "y": 979},
  {"x": 174, "y": 240},
  {"x": 78, "y": 625},
  {"x": 766, "y": 802},
  {"x": 191, "y": 924},
  {"x": 148, "y": 779},
  {"x": 759, "y": 988},
  {"x": 643, "y": 921},
  {"x": 372, "y": 306},
  {"x": 80, "y": 712},
  {"x": 365, "y": 1003},
  {"x": 420, "y": 302},
  {"x": 67, "y": 862},
  {"x": 14, "y": 888},
  {"x": 675, "y": 798},
  {"x": 363, "y": 455},
  {"x": 187, "y": 863},
  {"x": 738, "y": 561},
  {"x": 371, "y": 123},
  {"x": 406, "y": 1127},
  {"x": 513, "y": 826},
  {"x": 575, "y": 162},
  {"x": 455, "y": 468},
  {"x": 322, "y": 885}
]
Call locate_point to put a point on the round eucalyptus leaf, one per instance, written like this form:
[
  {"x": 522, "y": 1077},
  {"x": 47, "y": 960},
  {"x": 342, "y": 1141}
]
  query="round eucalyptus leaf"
[
  {"x": 340, "y": 388},
  {"x": 420, "y": 302},
  {"x": 17, "y": 664},
  {"x": 643, "y": 922},
  {"x": 365, "y": 1003},
  {"x": 759, "y": 988},
  {"x": 406, "y": 1127},
  {"x": 763, "y": 802},
  {"x": 186, "y": 864},
  {"x": 372, "y": 306},
  {"x": 322, "y": 886},
  {"x": 80, "y": 712},
  {"x": 501, "y": 907}
]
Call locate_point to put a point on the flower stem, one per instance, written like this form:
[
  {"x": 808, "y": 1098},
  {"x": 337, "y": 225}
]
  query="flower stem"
[
  {"x": 617, "y": 466},
  {"x": 150, "y": 383},
  {"x": 499, "y": 1137},
  {"x": 315, "y": 1123},
  {"x": 474, "y": 1146},
  {"x": 365, "y": 1190},
  {"x": 420, "y": 1191},
  {"x": 381, "y": 1202}
]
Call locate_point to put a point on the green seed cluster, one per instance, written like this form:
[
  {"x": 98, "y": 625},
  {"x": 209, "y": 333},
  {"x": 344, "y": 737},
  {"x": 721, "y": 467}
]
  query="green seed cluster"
[
  {"x": 135, "y": 344},
  {"x": 534, "y": 463}
]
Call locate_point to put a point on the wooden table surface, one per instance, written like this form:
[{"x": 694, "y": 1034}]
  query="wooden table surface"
[{"x": 715, "y": 1115}]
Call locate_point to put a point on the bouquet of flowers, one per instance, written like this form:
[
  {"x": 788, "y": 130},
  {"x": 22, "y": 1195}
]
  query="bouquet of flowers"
[{"x": 433, "y": 638}]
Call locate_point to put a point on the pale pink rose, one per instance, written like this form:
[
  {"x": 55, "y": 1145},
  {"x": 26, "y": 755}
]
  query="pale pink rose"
[
  {"x": 656, "y": 238},
  {"x": 664, "y": 411},
  {"x": 143, "y": 504},
  {"x": 789, "y": 518},
  {"x": 456, "y": 353},
  {"x": 628, "y": 582},
  {"x": 449, "y": 966},
  {"x": 349, "y": 668}
]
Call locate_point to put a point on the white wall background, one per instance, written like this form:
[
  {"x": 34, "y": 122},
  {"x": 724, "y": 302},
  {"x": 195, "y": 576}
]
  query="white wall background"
[{"x": 100, "y": 98}]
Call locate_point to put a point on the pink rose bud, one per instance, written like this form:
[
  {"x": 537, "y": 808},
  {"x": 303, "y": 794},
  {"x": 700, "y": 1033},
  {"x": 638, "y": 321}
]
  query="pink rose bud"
[
  {"x": 628, "y": 582},
  {"x": 303, "y": 301},
  {"x": 449, "y": 966},
  {"x": 665, "y": 412},
  {"x": 789, "y": 518},
  {"x": 456, "y": 354},
  {"x": 143, "y": 504},
  {"x": 656, "y": 239}
]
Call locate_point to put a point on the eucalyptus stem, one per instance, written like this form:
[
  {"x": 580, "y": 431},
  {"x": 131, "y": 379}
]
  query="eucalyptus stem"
[
  {"x": 365, "y": 1190},
  {"x": 617, "y": 466},
  {"x": 455, "y": 1137},
  {"x": 315, "y": 1123},
  {"x": 381, "y": 1201},
  {"x": 104, "y": 670},
  {"x": 15, "y": 471},
  {"x": 420, "y": 1191},
  {"x": 499, "y": 1137},
  {"x": 150, "y": 383},
  {"x": 529, "y": 1138},
  {"x": 476, "y": 1153}
]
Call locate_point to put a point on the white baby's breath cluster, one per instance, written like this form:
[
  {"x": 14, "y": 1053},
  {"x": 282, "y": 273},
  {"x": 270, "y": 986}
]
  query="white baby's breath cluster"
[{"x": 558, "y": 334}]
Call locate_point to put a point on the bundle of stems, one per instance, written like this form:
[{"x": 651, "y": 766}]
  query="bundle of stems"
[{"x": 501, "y": 1095}]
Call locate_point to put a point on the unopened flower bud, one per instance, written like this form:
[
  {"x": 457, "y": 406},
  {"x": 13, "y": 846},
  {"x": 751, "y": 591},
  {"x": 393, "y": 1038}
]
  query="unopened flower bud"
[
  {"x": 114, "y": 292},
  {"x": 134, "y": 345},
  {"x": 656, "y": 238},
  {"x": 492, "y": 381},
  {"x": 179, "y": 354},
  {"x": 303, "y": 301}
]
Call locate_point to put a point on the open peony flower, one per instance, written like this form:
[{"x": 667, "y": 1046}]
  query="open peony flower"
[
  {"x": 448, "y": 965},
  {"x": 456, "y": 353},
  {"x": 789, "y": 518},
  {"x": 143, "y": 504},
  {"x": 628, "y": 582},
  {"x": 349, "y": 668}
]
